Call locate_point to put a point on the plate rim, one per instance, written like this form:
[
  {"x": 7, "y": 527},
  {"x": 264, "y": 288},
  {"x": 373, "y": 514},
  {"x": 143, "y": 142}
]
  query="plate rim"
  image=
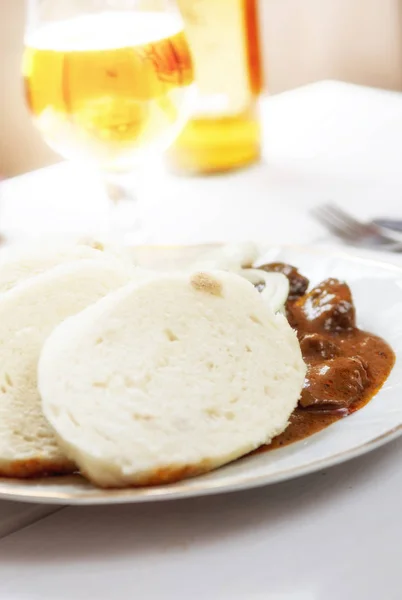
[{"x": 180, "y": 490}]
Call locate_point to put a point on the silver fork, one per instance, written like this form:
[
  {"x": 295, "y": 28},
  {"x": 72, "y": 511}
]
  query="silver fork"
[{"x": 355, "y": 232}]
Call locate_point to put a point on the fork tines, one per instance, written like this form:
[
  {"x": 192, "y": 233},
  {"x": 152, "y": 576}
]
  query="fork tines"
[{"x": 341, "y": 223}]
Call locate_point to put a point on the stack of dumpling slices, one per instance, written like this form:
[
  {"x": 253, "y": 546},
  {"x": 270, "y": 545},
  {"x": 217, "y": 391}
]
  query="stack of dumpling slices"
[
  {"x": 144, "y": 378},
  {"x": 41, "y": 286}
]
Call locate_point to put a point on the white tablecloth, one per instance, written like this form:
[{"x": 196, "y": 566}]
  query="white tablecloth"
[
  {"x": 328, "y": 536},
  {"x": 325, "y": 142}
]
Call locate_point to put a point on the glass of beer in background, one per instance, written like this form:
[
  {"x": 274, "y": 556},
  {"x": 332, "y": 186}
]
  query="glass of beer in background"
[{"x": 108, "y": 82}]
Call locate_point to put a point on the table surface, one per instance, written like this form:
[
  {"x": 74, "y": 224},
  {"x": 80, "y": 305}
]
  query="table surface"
[{"x": 335, "y": 534}]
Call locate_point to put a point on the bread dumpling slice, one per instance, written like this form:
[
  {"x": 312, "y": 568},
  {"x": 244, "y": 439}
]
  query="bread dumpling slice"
[
  {"x": 18, "y": 263},
  {"x": 169, "y": 378},
  {"x": 28, "y": 314}
]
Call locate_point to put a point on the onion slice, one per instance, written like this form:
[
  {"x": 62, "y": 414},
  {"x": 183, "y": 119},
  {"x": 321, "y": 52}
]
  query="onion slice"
[
  {"x": 276, "y": 287},
  {"x": 230, "y": 257}
]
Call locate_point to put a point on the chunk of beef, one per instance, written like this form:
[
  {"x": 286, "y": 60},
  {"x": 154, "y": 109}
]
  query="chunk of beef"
[
  {"x": 334, "y": 383},
  {"x": 327, "y": 308},
  {"x": 317, "y": 347}
]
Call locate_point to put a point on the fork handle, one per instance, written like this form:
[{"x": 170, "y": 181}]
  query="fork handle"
[{"x": 393, "y": 224}]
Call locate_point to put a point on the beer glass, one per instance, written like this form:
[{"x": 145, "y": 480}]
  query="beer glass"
[{"x": 108, "y": 82}]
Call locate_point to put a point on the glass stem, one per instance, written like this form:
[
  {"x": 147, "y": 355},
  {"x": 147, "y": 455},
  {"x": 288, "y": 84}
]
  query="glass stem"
[{"x": 125, "y": 225}]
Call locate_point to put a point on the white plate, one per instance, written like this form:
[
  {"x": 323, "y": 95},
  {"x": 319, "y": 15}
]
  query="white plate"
[{"x": 377, "y": 289}]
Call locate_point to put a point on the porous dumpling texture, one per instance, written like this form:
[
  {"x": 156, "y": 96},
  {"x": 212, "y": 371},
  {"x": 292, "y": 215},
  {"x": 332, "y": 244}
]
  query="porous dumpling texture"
[
  {"x": 169, "y": 378},
  {"x": 28, "y": 314}
]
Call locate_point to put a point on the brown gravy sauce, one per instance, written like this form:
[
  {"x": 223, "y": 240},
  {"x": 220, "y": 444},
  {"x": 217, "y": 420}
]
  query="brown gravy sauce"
[{"x": 346, "y": 366}]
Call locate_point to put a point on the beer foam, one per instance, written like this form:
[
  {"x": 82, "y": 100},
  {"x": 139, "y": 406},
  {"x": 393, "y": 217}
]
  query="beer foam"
[{"x": 105, "y": 31}]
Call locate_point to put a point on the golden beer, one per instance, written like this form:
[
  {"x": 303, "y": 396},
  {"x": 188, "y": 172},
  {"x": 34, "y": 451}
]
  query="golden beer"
[{"x": 109, "y": 87}]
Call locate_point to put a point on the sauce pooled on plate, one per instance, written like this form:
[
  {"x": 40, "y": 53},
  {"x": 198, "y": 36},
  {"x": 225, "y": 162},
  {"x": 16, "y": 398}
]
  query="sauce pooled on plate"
[{"x": 346, "y": 366}]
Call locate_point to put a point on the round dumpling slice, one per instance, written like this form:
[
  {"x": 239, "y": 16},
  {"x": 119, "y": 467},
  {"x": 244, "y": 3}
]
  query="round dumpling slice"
[
  {"x": 169, "y": 378},
  {"x": 28, "y": 314}
]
